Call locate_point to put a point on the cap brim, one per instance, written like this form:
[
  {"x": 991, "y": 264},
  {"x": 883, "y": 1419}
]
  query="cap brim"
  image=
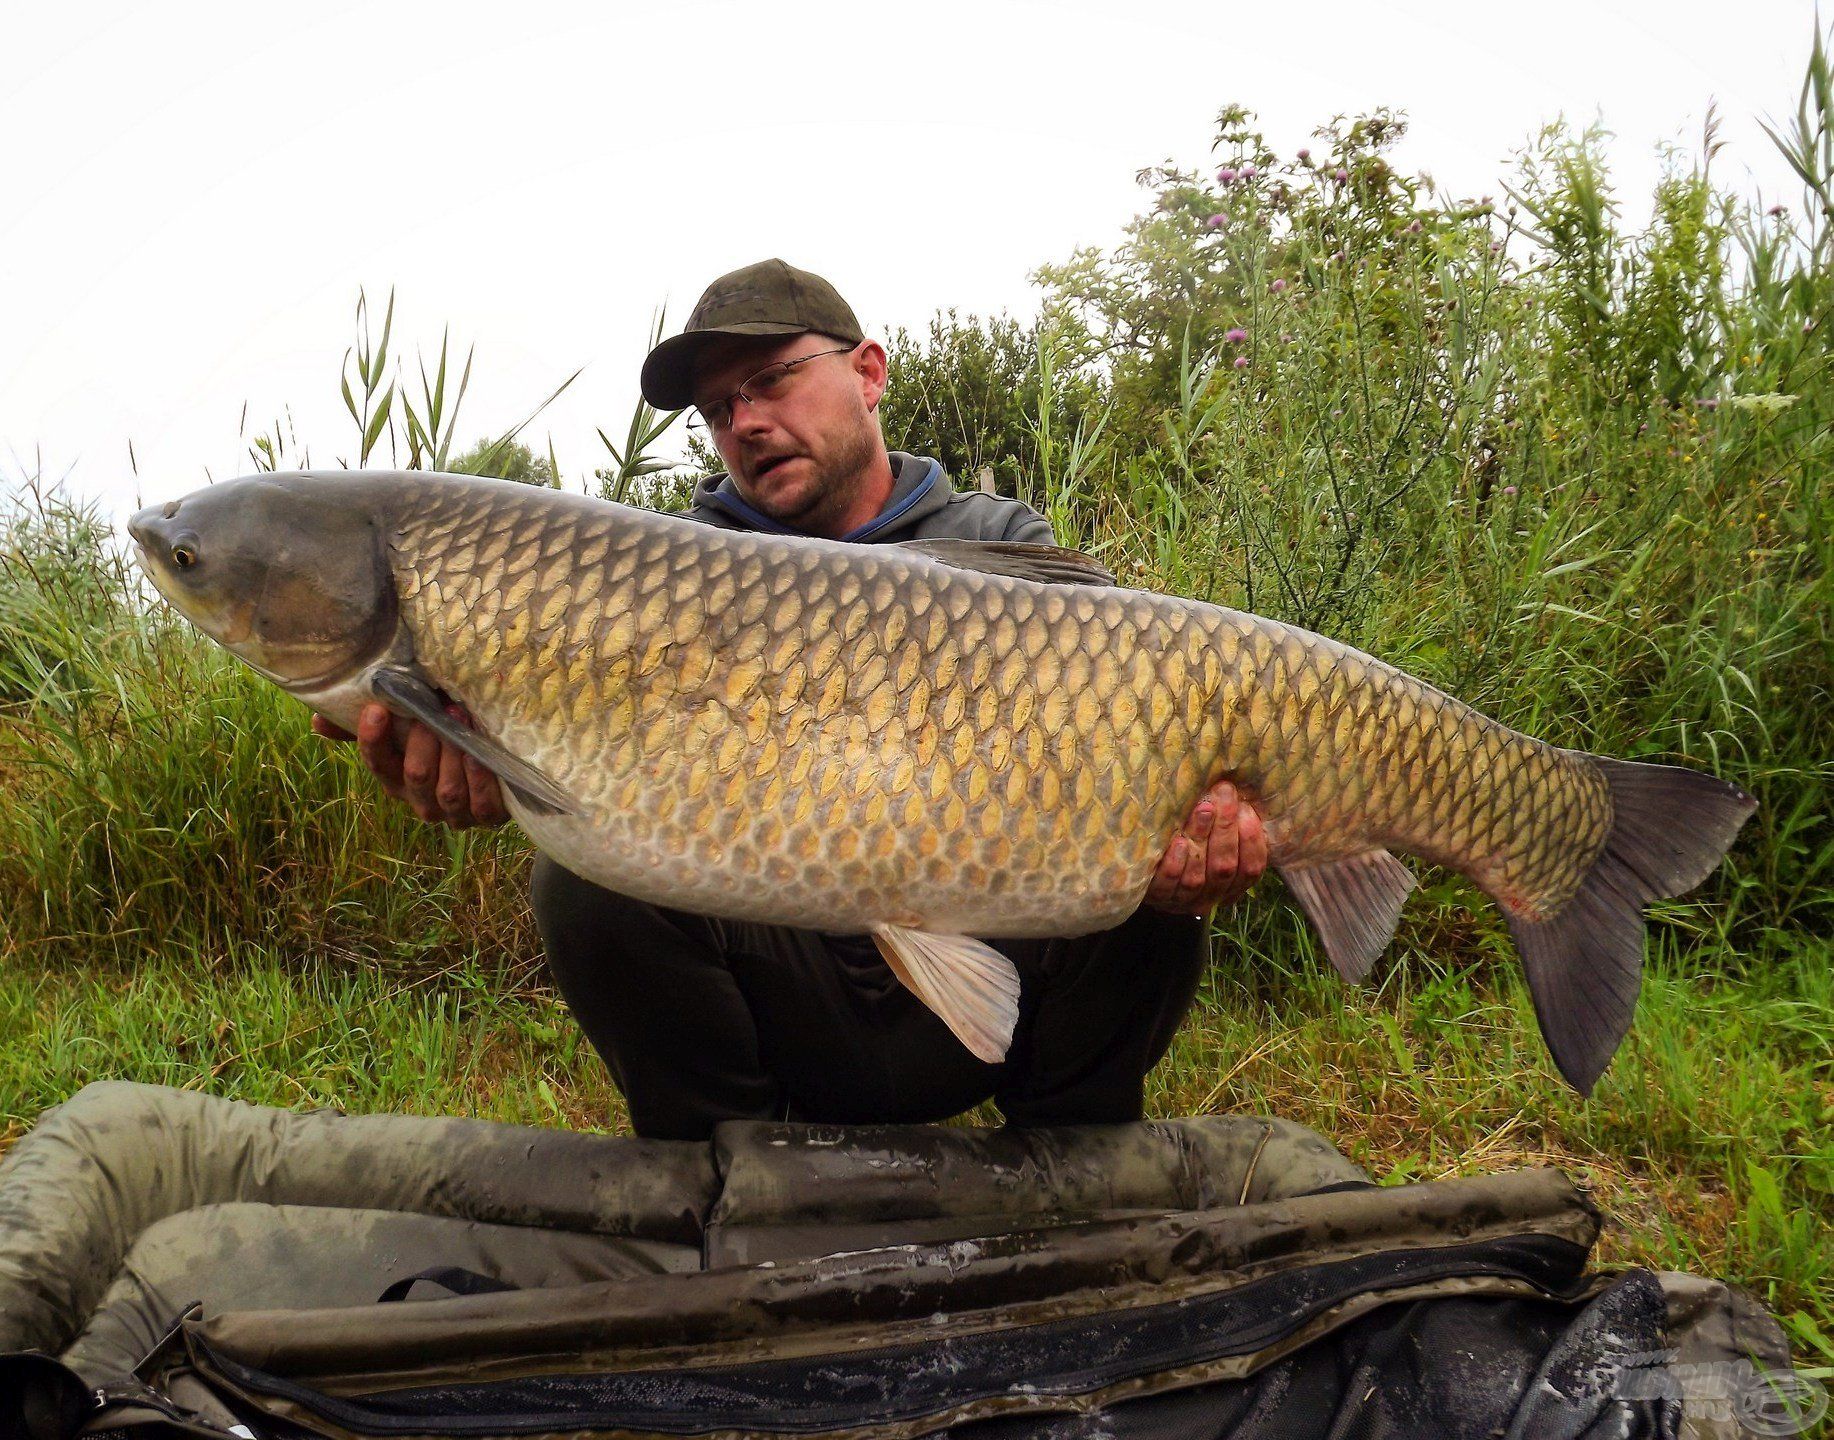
[{"x": 667, "y": 378}]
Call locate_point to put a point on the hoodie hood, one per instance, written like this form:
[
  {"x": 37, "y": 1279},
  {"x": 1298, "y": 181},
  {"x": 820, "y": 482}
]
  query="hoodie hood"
[{"x": 919, "y": 490}]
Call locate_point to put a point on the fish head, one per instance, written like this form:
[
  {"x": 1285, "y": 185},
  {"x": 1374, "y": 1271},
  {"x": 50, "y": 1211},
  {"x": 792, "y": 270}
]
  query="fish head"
[{"x": 289, "y": 573}]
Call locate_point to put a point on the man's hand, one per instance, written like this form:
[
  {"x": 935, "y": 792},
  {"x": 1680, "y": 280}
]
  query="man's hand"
[
  {"x": 440, "y": 782},
  {"x": 1219, "y": 853}
]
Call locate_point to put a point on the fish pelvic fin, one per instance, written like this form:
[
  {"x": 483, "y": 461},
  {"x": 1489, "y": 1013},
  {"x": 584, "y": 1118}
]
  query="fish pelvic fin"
[
  {"x": 1354, "y": 903},
  {"x": 1670, "y": 829},
  {"x": 407, "y": 693},
  {"x": 971, "y": 985}
]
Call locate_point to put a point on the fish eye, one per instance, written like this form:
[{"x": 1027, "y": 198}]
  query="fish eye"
[{"x": 184, "y": 552}]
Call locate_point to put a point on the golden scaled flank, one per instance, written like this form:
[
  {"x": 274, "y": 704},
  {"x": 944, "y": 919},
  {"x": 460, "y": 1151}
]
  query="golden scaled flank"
[{"x": 835, "y": 718}]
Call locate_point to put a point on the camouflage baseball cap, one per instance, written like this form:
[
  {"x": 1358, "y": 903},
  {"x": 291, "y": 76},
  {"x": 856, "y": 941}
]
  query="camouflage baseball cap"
[{"x": 769, "y": 298}]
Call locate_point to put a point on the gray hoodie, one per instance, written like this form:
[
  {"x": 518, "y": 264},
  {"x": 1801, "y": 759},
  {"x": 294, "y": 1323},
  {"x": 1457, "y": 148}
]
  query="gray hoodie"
[{"x": 923, "y": 506}]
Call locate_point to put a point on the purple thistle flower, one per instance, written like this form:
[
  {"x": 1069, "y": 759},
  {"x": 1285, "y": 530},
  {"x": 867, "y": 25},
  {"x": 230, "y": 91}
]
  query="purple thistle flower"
[
  {"x": 1304, "y": 153},
  {"x": 1249, "y": 172},
  {"x": 1415, "y": 228},
  {"x": 1226, "y": 175},
  {"x": 1241, "y": 362},
  {"x": 1235, "y": 336},
  {"x": 1337, "y": 255},
  {"x": 1777, "y": 210},
  {"x": 1340, "y": 175},
  {"x": 1277, "y": 286},
  {"x": 1496, "y": 247},
  {"x": 1217, "y": 220},
  {"x": 1509, "y": 489}
]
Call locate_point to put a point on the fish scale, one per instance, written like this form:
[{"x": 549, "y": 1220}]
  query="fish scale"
[
  {"x": 880, "y": 708},
  {"x": 928, "y": 742}
]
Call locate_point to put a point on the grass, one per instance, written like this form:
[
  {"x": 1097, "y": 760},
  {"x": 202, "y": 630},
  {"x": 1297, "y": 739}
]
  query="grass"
[
  {"x": 1723, "y": 1169},
  {"x": 459, "y": 1040},
  {"x": 1569, "y": 471}
]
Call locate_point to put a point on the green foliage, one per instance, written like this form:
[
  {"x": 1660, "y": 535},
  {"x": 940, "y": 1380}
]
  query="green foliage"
[
  {"x": 418, "y": 435},
  {"x": 970, "y": 394},
  {"x": 636, "y": 476},
  {"x": 511, "y": 461}
]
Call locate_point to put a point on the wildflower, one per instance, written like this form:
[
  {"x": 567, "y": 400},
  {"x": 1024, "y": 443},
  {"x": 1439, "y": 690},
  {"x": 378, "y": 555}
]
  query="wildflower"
[
  {"x": 1235, "y": 336},
  {"x": 1226, "y": 175},
  {"x": 1218, "y": 220},
  {"x": 1286, "y": 337},
  {"x": 1304, "y": 154},
  {"x": 1337, "y": 255},
  {"x": 1241, "y": 362},
  {"x": 1708, "y": 403},
  {"x": 1415, "y": 228},
  {"x": 1777, "y": 210},
  {"x": 1249, "y": 172},
  {"x": 1277, "y": 286},
  {"x": 1509, "y": 489},
  {"x": 1496, "y": 247},
  {"x": 1340, "y": 175}
]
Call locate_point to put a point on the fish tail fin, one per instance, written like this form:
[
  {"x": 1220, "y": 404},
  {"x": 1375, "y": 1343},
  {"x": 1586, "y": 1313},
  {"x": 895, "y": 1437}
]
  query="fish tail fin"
[{"x": 1670, "y": 829}]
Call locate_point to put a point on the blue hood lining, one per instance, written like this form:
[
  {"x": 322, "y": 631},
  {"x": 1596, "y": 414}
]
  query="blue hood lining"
[{"x": 728, "y": 499}]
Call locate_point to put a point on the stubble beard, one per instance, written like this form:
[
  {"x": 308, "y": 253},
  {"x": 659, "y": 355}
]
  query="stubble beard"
[{"x": 831, "y": 488}]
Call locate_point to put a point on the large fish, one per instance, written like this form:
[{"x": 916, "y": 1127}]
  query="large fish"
[{"x": 928, "y": 741}]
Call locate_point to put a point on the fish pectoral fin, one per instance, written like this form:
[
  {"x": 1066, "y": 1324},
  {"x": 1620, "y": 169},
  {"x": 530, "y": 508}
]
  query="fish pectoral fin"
[
  {"x": 1048, "y": 564},
  {"x": 408, "y": 693},
  {"x": 1354, "y": 903},
  {"x": 971, "y": 985}
]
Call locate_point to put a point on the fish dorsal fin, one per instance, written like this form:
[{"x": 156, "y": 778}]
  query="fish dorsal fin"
[
  {"x": 1047, "y": 564},
  {"x": 971, "y": 985},
  {"x": 1354, "y": 903},
  {"x": 407, "y": 693}
]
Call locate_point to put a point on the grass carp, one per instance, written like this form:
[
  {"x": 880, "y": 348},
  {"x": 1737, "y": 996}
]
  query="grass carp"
[{"x": 927, "y": 741}]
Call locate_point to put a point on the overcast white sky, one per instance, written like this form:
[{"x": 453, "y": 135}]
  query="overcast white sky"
[{"x": 191, "y": 194}]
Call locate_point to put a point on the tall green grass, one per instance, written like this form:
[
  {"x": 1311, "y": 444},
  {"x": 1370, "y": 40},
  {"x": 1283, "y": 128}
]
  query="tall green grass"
[{"x": 1569, "y": 469}]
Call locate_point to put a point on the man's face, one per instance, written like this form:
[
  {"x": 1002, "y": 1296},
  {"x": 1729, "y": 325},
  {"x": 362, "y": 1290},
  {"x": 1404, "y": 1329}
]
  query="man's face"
[{"x": 798, "y": 455}]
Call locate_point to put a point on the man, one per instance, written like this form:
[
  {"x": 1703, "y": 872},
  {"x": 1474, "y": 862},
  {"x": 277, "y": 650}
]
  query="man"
[{"x": 701, "y": 1019}]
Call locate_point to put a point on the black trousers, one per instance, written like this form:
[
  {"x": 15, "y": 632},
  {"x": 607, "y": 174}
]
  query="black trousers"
[{"x": 702, "y": 1020}]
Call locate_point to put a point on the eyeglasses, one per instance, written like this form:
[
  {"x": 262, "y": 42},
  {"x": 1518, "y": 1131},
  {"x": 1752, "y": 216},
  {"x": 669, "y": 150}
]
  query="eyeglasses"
[{"x": 773, "y": 382}]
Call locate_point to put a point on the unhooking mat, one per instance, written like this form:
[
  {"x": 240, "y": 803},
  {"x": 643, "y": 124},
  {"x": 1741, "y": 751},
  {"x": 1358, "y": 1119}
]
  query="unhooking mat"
[{"x": 182, "y": 1264}]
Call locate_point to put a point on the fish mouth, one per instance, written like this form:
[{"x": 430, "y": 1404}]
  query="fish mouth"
[{"x": 147, "y": 527}]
